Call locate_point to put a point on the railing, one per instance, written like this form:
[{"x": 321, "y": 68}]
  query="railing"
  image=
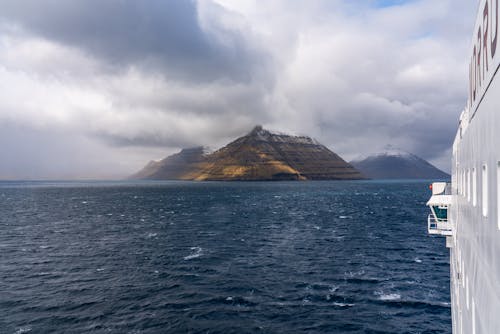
[{"x": 439, "y": 226}]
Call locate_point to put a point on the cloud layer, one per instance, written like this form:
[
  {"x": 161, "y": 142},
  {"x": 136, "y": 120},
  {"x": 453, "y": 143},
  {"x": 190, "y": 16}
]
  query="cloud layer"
[{"x": 98, "y": 88}]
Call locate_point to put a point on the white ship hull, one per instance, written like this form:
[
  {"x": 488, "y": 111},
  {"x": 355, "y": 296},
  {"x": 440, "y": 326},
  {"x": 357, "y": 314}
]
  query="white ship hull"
[{"x": 474, "y": 210}]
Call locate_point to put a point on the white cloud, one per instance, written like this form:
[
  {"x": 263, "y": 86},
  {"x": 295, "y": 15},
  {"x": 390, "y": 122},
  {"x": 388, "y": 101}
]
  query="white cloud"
[{"x": 354, "y": 76}]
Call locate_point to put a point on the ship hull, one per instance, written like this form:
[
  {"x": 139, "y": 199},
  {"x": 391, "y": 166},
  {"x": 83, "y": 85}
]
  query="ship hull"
[
  {"x": 474, "y": 212},
  {"x": 475, "y": 248}
]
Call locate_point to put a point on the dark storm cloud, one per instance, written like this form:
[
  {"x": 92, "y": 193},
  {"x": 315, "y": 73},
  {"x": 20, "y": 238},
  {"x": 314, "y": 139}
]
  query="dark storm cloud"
[{"x": 159, "y": 35}]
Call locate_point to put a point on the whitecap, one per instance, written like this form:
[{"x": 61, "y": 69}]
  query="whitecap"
[
  {"x": 418, "y": 260},
  {"x": 343, "y": 217},
  {"x": 84, "y": 202},
  {"x": 390, "y": 296},
  {"x": 229, "y": 298},
  {"x": 343, "y": 304},
  {"x": 44, "y": 247},
  {"x": 23, "y": 330},
  {"x": 197, "y": 253},
  {"x": 152, "y": 235},
  {"x": 352, "y": 274},
  {"x": 333, "y": 289},
  {"x": 100, "y": 269}
]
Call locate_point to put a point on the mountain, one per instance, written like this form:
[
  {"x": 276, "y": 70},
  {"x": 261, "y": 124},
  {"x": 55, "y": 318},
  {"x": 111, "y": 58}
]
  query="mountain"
[
  {"x": 396, "y": 164},
  {"x": 258, "y": 156},
  {"x": 185, "y": 165}
]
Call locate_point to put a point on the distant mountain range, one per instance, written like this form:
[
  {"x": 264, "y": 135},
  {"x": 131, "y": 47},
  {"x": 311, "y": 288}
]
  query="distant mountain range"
[
  {"x": 397, "y": 164},
  {"x": 260, "y": 155}
]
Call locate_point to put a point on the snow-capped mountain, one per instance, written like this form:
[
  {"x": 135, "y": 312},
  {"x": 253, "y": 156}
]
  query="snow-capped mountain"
[{"x": 394, "y": 163}]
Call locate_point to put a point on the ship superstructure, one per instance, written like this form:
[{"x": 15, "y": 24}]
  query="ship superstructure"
[{"x": 472, "y": 221}]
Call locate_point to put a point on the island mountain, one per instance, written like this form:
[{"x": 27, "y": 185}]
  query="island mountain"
[
  {"x": 260, "y": 155},
  {"x": 397, "y": 164}
]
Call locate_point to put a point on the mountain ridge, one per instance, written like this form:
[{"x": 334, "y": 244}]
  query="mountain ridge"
[
  {"x": 397, "y": 164},
  {"x": 260, "y": 155}
]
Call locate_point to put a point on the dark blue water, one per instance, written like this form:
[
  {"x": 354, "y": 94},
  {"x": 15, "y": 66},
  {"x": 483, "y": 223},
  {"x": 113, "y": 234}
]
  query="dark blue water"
[{"x": 312, "y": 257}]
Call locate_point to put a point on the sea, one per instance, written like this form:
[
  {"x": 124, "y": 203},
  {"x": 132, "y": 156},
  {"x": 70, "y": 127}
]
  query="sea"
[{"x": 220, "y": 257}]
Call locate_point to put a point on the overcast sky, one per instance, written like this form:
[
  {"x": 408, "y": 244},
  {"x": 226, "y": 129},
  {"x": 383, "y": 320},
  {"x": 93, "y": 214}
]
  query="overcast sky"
[{"x": 97, "y": 88}]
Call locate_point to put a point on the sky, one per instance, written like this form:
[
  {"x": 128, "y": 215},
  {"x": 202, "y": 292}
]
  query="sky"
[{"x": 93, "y": 89}]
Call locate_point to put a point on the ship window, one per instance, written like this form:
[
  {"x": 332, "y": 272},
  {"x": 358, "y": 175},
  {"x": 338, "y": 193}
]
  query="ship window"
[
  {"x": 467, "y": 292},
  {"x": 464, "y": 176},
  {"x": 468, "y": 185},
  {"x": 474, "y": 187},
  {"x": 463, "y": 183},
  {"x": 463, "y": 274},
  {"x": 441, "y": 212},
  {"x": 473, "y": 317},
  {"x": 498, "y": 194},
  {"x": 459, "y": 182},
  {"x": 461, "y": 323},
  {"x": 485, "y": 198}
]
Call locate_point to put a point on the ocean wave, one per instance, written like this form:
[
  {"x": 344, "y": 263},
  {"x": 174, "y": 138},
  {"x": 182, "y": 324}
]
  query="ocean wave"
[
  {"x": 351, "y": 274},
  {"x": 361, "y": 280},
  {"x": 388, "y": 296},
  {"x": 23, "y": 330},
  {"x": 286, "y": 275},
  {"x": 343, "y": 304},
  {"x": 416, "y": 304},
  {"x": 198, "y": 251}
]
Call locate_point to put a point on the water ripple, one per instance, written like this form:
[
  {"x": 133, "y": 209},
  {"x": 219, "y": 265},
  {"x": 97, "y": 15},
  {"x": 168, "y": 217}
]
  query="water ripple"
[{"x": 280, "y": 257}]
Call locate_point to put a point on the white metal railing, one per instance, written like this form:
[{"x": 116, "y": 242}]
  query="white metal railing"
[{"x": 439, "y": 226}]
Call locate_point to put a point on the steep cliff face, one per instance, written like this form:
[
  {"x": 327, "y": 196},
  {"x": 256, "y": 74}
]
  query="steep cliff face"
[
  {"x": 396, "y": 164},
  {"x": 184, "y": 165},
  {"x": 260, "y": 155}
]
